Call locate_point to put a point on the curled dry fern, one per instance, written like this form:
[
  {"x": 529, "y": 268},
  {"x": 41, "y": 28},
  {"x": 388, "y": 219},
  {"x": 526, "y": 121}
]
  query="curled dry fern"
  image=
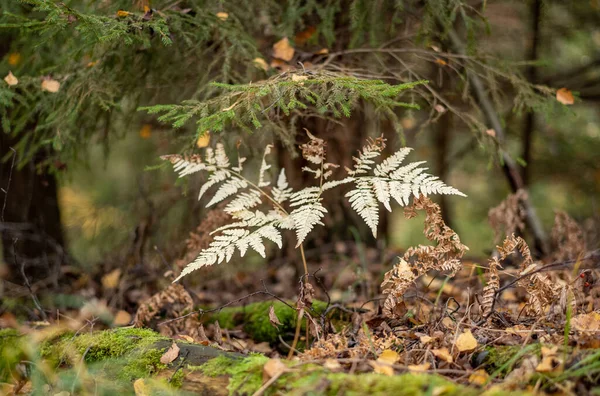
[{"x": 259, "y": 213}]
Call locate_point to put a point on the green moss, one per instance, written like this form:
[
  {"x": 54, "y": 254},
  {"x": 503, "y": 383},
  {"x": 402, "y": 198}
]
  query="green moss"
[
  {"x": 246, "y": 376},
  {"x": 255, "y": 319},
  {"x": 502, "y": 359},
  {"x": 177, "y": 379},
  {"x": 11, "y": 352}
]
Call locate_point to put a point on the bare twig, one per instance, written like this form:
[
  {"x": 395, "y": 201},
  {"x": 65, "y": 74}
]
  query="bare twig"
[
  {"x": 26, "y": 280},
  {"x": 5, "y": 191}
]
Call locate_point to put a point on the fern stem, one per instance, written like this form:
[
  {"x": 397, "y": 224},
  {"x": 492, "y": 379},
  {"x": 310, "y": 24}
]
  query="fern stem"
[
  {"x": 263, "y": 192},
  {"x": 303, "y": 259}
]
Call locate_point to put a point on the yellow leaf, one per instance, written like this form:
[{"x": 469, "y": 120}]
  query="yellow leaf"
[
  {"x": 11, "y": 79},
  {"x": 549, "y": 364},
  {"x": 122, "y": 13},
  {"x": 419, "y": 368},
  {"x": 322, "y": 51},
  {"x": 425, "y": 339},
  {"x": 466, "y": 341},
  {"x": 260, "y": 63},
  {"x": 442, "y": 353},
  {"x": 14, "y": 59},
  {"x": 50, "y": 85},
  {"x": 297, "y": 77},
  {"x": 141, "y": 388},
  {"x": 382, "y": 368},
  {"x": 146, "y": 131},
  {"x": 586, "y": 322},
  {"x": 222, "y": 16},
  {"x": 122, "y": 318},
  {"x": 441, "y": 62},
  {"x": 203, "y": 140},
  {"x": 479, "y": 377},
  {"x": 283, "y": 50},
  {"x": 170, "y": 355},
  {"x": 187, "y": 338},
  {"x": 272, "y": 368},
  {"x": 111, "y": 280},
  {"x": 565, "y": 96},
  {"x": 448, "y": 323},
  {"x": 388, "y": 356}
]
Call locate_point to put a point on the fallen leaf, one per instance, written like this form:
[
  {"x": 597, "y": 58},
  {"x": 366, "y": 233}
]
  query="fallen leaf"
[
  {"x": 524, "y": 372},
  {"x": 14, "y": 59},
  {"x": 283, "y": 50},
  {"x": 122, "y": 13},
  {"x": 305, "y": 35},
  {"x": 146, "y": 131},
  {"x": 425, "y": 339},
  {"x": 466, "y": 341},
  {"x": 382, "y": 368},
  {"x": 491, "y": 132},
  {"x": 443, "y": 353},
  {"x": 141, "y": 388},
  {"x": 170, "y": 355},
  {"x": 388, "y": 356},
  {"x": 322, "y": 51},
  {"x": 549, "y": 364},
  {"x": 440, "y": 109},
  {"x": 419, "y": 368},
  {"x": 280, "y": 65},
  {"x": 479, "y": 377},
  {"x": 448, "y": 323},
  {"x": 185, "y": 337},
  {"x": 332, "y": 365},
  {"x": 441, "y": 62},
  {"x": 297, "y": 77},
  {"x": 260, "y": 63},
  {"x": 222, "y": 16},
  {"x": 111, "y": 280},
  {"x": 122, "y": 318},
  {"x": 273, "y": 318},
  {"x": 203, "y": 140},
  {"x": 218, "y": 333},
  {"x": 272, "y": 368},
  {"x": 565, "y": 96},
  {"x": 50, "y": 85},
  {"x": 586, "y": 322},
  {"x": 11, "y": 79}
]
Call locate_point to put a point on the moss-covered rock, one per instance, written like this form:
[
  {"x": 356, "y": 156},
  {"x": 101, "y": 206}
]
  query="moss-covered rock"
[{"x": 255, "y": 319}]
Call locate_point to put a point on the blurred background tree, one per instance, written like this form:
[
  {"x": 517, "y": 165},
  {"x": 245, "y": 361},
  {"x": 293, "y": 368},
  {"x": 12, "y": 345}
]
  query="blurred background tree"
[{"x": 74, "y": 145}]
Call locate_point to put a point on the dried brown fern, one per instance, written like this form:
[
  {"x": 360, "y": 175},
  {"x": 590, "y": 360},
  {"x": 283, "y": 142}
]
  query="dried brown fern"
[
  {"x": 509, "y": 216},
  {"x": 568, "y": 240},
  {"x": 444, "y": 256},
  {"x": 541, "y": 291},
  {"x": 493, "y": 284}
]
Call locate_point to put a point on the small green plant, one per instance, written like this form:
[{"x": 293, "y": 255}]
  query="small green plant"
[{"x": 260, "y": 211}]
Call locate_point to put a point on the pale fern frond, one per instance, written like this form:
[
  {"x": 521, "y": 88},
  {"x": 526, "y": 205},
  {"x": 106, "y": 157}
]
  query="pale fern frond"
[
  {"x": 227, "y": 189},
  {"x": 334, "y": 183},
  {"x": 392, "y": 162},
  {"x": 264, "y": 167},
  {"x": 305, "y": 218},
  {"x": 244, "y": 201},
  {"x": 363, "y": 201},
  {"x": 282, "y": 191}
]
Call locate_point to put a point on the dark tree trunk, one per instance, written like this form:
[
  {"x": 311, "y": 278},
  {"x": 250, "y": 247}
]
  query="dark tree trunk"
[
  {"x": 442, "y": 139},
  {"x": 529, "y": 127},
  {"x": 31, "y": 230}
]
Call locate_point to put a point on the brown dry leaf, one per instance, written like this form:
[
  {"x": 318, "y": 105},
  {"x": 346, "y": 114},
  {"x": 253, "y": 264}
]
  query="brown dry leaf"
[
  {"x": 549, "y": 364},
  {"x": 524, "y": 372},
  {"x": 332, "y": 365},
  {"x": 491, "y": 132},
  {"x": 565, "y": 96},
  {"x": 222, "y": 16},
  {"x": 442, "y": 353},
  {"x": 141, "y": 388},
  {"x": 479, "y": 377},
  {"x": 441, "y": 62},
  {"x": 419, "y": 368},
  {"x": 11, "y": 79},
  {"x": 111, "y": 280},
  {"x": 146, "y": 131},
  {"x": 283, "y": 50},
  {"x": 218, "y": 333},
  {"x": 305, "y": 35},
  {"x": 203, "y": 140},
  {"x": 185, "y": 337},
  {"x": 281, "y": 65},
  {"x": 586, "y": 322},
  {"x": 425, "y": 339},
  {"x": 272, "y": 368},
  {"x": 122, "y": 318},
  {"x": 448, "y": 323},
  {"x": 50, "y": 85},
  {"x": 520, "y": 330},
  {"x": 322, "y": 51},
  {"x": 273, "y": 318},
  {"x": 122, "y": 13},
  {"x": 466, "y": 342},
  {"x": 170, "y": 355},
  {"x": 260, "y": 63}
]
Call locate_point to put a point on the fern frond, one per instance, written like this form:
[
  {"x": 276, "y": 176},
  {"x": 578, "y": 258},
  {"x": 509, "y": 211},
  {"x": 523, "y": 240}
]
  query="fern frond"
[
  {"x": 282, "y": 191},
  {"x": 305, "y": 218},
  {"x": 363, "y": 201},
  {"x": 264, "y": 167}
]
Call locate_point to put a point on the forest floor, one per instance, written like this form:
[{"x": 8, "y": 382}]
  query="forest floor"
[{"x": 266, "y": 329}]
